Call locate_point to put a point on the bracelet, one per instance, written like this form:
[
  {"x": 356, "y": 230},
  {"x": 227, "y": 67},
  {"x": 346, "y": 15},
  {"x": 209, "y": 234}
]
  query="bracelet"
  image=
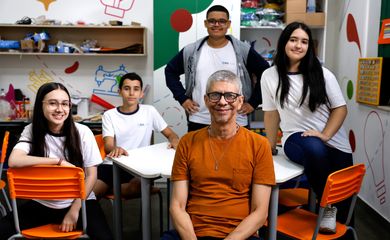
[{"x": 60, "y": 161}]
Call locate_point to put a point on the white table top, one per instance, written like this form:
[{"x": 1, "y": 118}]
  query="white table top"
[
  {"x": 148, "y": 162},
  {"x": 284, "y": 168},
  {"x": 157, "y": 160}
]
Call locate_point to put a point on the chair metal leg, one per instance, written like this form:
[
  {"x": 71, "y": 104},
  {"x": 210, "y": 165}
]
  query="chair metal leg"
[
  {"x": 160, "y": 199},
  {"x": 3, "y": 212},
  {"x": 6, "y": 200},
  {"x": 355, "y": 237}
]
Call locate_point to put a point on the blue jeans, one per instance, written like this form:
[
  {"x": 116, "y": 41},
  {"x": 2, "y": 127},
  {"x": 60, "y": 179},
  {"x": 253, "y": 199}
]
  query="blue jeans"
[
  {"x": 173, "y": 235},
  {"x": 318, "y": 160}
]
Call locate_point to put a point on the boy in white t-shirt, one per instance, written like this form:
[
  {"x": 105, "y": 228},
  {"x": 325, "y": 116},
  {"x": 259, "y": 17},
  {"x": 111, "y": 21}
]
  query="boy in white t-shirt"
[{"x": 128, "y": 127}]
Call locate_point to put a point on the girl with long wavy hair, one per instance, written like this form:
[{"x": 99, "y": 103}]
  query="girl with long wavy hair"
[
  {"x": 305, "y": 101},
  {"x": 54, "y": 139}
]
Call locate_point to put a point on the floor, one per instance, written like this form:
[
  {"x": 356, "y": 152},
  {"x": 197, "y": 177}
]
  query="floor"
[{"x": 368, "y": 224}]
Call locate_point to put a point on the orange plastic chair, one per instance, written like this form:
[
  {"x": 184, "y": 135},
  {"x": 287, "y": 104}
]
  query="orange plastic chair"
[
  {"x": 153, "y": 190},
  {"x": 302, "y": 224},
  {"x": 293, "y": 197},
  {"x": 4, "y": 147},
  {"x": 47, "y": 182}
]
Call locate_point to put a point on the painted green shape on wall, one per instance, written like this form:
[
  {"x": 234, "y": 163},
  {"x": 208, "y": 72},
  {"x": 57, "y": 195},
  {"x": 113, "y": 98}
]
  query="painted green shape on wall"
[
  {"x": 166, "y": 39},
  {"x": 350, "y": 89}
]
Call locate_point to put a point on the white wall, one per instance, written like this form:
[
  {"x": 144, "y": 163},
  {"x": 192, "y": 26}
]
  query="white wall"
[
  {"x": 370, "y": 125},
  {"x": 25, "y": 71}
]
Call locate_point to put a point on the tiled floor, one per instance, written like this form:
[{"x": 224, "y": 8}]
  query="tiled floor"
[{"x": 368, "y": 224}]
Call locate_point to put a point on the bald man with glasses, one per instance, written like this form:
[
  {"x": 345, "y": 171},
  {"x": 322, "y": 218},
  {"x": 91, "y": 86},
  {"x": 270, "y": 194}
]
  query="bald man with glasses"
[
  {"x": 217, "y": 51},
  {"x": 222, "y": 174}
]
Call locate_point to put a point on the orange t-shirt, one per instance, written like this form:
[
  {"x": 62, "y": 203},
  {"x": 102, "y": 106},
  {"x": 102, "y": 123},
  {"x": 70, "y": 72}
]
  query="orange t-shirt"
[{"x": 220, "y": 175}]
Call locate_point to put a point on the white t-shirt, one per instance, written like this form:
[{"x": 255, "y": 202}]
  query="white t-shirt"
[
  {"x": 210, "y": 61},
  {"x": 295, "y": 118},
  {"x": 55, "y": 143},
  {"x": 132, "y": 130}
]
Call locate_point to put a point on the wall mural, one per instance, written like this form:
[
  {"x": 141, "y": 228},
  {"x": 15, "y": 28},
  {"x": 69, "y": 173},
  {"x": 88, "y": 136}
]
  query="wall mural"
[
  {"x": 107, "y": 81},
  {"x": 374, "y": 126},
  {"x": 117, "y": 8},
  {"x": 46, "y": 3},
  {"x": 44, "y": 76},
  {"x": 352, "y": 32},
  {"x": 38, "y": 79},
  {"x": 374, "y": 136}
]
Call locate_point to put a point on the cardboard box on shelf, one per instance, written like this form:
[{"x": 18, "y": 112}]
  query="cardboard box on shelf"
[
  {"x": 315, "y": 19},
  {"x": 295, "y": 6},
  {"x": 311, "y": 19}
]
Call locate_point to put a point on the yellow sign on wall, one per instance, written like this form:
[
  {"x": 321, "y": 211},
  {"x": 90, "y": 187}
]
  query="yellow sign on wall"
[{"x": 369, "y": 80}]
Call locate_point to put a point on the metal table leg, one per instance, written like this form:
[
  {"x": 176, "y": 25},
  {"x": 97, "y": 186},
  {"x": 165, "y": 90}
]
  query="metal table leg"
[
  {"x": 273, "y": 213},
  {"x": 117, "y": 203},
  {"x": 146, "y": 219}
]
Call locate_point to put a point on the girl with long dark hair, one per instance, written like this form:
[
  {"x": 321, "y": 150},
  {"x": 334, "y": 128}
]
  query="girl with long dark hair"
[
  {"x": 54, "y": 139},
  {"x": 305, "y": 101}
]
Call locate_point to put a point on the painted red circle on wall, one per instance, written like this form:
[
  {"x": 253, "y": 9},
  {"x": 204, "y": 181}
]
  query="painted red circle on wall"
[
  {"x": 181, "y": 20},
  {"x": 352, "y": 140}
]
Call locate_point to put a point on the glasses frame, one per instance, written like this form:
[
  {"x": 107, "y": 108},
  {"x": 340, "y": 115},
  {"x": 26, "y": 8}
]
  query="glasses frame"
[
  {"x": 221, "y": 21},
  {"x": 58, "y": 104},
  {"x": 227, "y": 98}
]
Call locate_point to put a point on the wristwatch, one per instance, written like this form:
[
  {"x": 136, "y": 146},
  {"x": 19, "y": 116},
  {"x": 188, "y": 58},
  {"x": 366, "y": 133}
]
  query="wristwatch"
[{"x": 274, "y": 151}]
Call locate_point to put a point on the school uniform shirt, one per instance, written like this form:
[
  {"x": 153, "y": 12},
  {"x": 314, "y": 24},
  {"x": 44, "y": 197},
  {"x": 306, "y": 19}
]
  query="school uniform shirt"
[
  {"x": 295, "y": 118},
  {"x": 132, "y": 130}
]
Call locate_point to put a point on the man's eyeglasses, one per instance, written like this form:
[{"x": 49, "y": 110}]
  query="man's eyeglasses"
[
  {"x": 215, "y": 97},
  {"x": 53, "y": 104},
  {"x": 213, "y": 22}
]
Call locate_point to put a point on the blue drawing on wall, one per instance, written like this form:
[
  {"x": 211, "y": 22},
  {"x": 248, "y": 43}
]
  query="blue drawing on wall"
[{"x": 106, "y": 81}]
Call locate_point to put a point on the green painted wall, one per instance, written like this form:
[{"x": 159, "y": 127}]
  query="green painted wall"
[
  {"x": 384, "y": 49},
  {"x": 166, "y": 39}
]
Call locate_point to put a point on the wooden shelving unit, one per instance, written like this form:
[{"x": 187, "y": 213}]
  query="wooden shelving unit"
[{"x": 115, "y": 37}]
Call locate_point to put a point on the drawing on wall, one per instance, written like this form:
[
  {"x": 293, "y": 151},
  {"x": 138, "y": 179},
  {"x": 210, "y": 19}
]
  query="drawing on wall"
[
  {"x": 45, "y": 75},
  {"x": 166, "y": 33},
  {"x": 46, "y": 3},
  {"x": 72, "y": 68},
  {"x": 38, "y": 79},
  {"x": 107, "y": 81},
  {"x": 352, "y": 32},
  {"x": 174, "y": 111},
  {"x": 117, "y": 8},
  {"x": 181, "y": 20},
  {"x": 374, "y": 135}
]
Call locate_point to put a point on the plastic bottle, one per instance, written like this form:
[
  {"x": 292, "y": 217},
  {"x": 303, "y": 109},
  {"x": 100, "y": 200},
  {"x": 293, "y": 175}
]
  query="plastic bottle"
[
  {"x": 311, "y": 6},
  {"x": 5, "y": 107},
  {"x": 27, "y": 108}
]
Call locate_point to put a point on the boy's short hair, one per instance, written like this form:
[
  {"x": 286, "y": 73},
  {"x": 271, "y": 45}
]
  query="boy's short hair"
[
  {"x": 217, "y": 8},
  {"x": 130, "y": 76}
]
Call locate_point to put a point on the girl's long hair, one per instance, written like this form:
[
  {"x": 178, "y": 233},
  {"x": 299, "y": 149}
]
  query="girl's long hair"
[
  {"x": 310, "y": 68},
  {"x": 40, "y": 127}
]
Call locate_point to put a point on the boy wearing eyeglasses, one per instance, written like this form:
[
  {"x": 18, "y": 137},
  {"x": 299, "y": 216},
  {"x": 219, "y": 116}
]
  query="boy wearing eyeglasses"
[
  {"x": 199, "y": 60},
  {"x": 126, "y": 127}
]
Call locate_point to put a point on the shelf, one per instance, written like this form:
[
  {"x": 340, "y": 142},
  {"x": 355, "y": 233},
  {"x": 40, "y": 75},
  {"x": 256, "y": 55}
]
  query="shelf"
[
  {"x": 73, "y": 54},
  {"x": 115, "y": 37},
  {"x": 263, "y": 27}
]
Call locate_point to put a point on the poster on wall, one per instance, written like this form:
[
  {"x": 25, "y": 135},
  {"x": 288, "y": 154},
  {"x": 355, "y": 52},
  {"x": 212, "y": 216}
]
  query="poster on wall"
[{"x": 384, "y": 36}]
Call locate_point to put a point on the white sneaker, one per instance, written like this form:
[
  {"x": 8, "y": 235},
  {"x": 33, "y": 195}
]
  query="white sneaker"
[{"x": 328, "y": 222}]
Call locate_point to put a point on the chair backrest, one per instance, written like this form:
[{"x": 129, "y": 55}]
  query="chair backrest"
[
  {"x": 343, "y": 184},
  {"x": 4, "y": 147},
  {"x": 100, "y": 143},
  {"x": 46, "y": 182},
  {"x": 4, "y": 151}
]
